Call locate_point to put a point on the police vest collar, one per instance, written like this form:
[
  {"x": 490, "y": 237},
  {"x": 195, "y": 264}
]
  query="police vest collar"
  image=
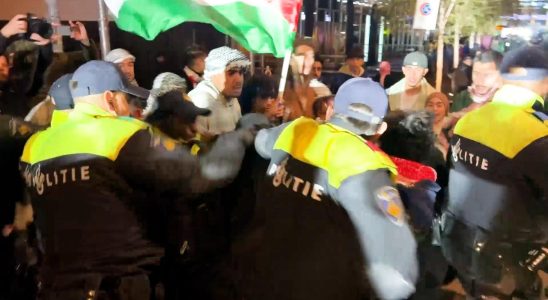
[
  {"x": 92, "y": 110},
  {"x": 58, "y": 117},
  {"x": 517, "y": 96}
]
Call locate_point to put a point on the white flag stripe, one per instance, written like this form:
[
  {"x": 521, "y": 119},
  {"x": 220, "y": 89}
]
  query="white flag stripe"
[
  {"x": 114, "y": 6},
  {"x": 248, "y": 2}
]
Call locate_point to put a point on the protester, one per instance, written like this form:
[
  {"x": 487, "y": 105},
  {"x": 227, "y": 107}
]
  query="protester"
[
  {"x": 298, "y": 96},
  {"x": 409, "y": 140},
  {"x": 410, "y": 92},
  {"x": 223, "y": 82},
  {"x": 486, "y": 81},
  {"x": 260, "y": 95},
  {"x": 385, "y": 70},
  {"x": 462, "y": 76},
  {"x": 193, "y": 71},
  {"x": 438, "y": 104},
  {"x": 353, "y": 65},
  {"x": 317, "y": 68},
  {"x": 125, "y": 61}
]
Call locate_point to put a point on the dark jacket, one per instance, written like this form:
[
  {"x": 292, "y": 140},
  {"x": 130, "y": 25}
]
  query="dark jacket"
[
  {"x": 319, "y": 218},
  {"x": 93, "y": 185},
  {"x": 498, "y": 188},
  {"x": 14, "y": 132}
]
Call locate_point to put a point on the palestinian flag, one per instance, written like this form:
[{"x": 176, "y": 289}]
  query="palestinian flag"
[{"x": 261, "y": 26}]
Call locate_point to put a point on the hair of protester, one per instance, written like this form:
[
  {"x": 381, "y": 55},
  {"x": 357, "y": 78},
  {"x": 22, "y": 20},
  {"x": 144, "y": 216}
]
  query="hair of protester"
[
  {"x": 193, "y": 52},
  {"x": 355, "y": 52},
  {"x": 442, "y": 97},
  {"x": 489, "y": 56},
  {"x": 317, "y": 106},
  {"x": 317, "y": 58},
  {"x": 258, "y": 86},
  {"x": 409, "y": 135},
  {"x": 304, "y": 42}
]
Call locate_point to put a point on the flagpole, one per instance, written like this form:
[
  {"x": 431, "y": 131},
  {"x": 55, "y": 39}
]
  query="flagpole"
[
  {"x": 104, "y": 35},
  {"x": 252, "y": 59},
  {"x": 285, "y": 69}
]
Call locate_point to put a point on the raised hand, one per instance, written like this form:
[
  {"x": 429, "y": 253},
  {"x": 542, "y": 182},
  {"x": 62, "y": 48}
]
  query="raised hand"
[
  {"x": 17, "y": 24},
  {"x": 78, "y": 32}
]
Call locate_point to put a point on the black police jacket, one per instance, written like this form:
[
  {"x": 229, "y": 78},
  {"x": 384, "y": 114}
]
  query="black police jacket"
[
  {"x": 498, "y": 186},
  {"x": 93, "y": 178}
]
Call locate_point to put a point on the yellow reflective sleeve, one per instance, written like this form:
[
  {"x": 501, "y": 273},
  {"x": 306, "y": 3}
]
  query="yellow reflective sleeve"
[
  {"x": 515, "y": 128},
  {"x": 102, "y": 136},
  {"x": 339, "y": 152}
]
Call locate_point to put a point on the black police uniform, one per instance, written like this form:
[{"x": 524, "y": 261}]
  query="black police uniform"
[
  {"x": 326, "y": 215},
  {"x": 497, "y": 209},
  {"x": 89, "y": 177}
]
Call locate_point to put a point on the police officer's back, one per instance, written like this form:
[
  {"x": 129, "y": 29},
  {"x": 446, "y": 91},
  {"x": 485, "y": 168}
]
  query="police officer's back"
[
  {"x": 494, "y": 226},
  {"x": 88, "y": 176},
  {"x": 327, "y": 213}
]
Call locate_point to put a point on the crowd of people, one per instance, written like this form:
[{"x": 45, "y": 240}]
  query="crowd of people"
[{"x": 214, "y": 185}]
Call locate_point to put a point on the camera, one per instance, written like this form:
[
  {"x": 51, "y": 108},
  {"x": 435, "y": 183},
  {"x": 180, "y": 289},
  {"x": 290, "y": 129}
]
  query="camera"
[{"x": 37, "y": 25}]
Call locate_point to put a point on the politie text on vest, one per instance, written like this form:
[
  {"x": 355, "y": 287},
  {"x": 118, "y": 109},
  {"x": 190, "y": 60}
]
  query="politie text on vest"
[
  {"x": 468, "y": 157},
  {"x": 40, "y": 180},
  {"x": 294, "y": 183}
]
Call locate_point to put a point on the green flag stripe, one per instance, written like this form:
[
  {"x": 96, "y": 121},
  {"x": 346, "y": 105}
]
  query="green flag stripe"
[{"x": 257, "y": 29}]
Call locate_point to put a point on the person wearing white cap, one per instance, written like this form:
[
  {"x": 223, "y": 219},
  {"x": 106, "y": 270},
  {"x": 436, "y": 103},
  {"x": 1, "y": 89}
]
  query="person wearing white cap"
[
  {"x": 223, "y": 82},
  {"x": 125, "y": 61}
]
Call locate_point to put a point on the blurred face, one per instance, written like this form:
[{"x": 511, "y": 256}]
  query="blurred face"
[
  {"x": 436, "y": 106},
  {"x": 355, "y": 63},
  {"x": 184, "y": 130},
  {"x": 118, "y": 103},
  {"x": 307, "y": 53},
  {"x": 468, "y": 61},
  {"x": 135, "y": 108},
  {"x": 128, "y": 68},
  {"x": 230, "y": 82},
  {"x": 4, "y": 69},
  {"x": 385, "y": 68},
  {"x": 198, "y": 64},
  {"x": 326, "y": 109},
  {"x": 317, "y": 69},
  {"x": 271, "y": 107},
  {"x": 485, "y": 77},
  {"x": 413, "y": 75}
]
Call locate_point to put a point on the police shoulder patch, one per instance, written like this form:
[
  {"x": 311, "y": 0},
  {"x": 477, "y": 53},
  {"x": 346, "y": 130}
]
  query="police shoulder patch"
[
  {"x": 169, "y": 144},
  {"x": 389, "y": 202}
]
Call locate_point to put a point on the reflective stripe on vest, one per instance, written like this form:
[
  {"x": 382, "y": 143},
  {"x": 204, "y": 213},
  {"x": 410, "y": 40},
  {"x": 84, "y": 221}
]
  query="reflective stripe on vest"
[
  {"x": 82, "y": 133},
  {"x": 336, "y": 150}
]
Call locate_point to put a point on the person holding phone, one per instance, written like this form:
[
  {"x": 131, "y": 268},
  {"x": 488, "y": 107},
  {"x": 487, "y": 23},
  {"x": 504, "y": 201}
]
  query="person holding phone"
[
  {"x": 299, "y": 96},
  {"x": 61, "y": 64}
]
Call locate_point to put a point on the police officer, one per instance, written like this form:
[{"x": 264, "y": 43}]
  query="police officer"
[
  {"x": 494, "y": 229},
  {"x": 327, "y": 212},
  {"x": 89, "y": 176}
]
